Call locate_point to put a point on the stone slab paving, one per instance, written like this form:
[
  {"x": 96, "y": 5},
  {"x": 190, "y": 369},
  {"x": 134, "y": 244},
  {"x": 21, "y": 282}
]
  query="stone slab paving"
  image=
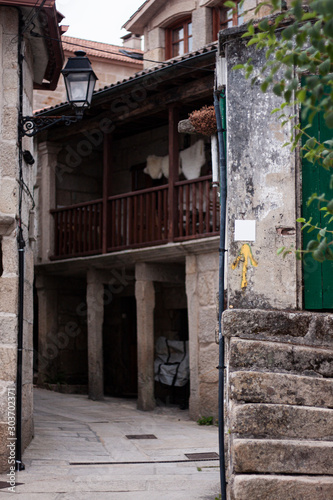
[{"x": 74, "y": 436}]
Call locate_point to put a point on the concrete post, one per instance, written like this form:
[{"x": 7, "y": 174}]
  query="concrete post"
[
  {"x": 145, "y": 304},
  {"x": 95, "y": 316}
]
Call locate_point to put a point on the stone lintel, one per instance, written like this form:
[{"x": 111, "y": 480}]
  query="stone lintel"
[{"x": 166, "y": 273}]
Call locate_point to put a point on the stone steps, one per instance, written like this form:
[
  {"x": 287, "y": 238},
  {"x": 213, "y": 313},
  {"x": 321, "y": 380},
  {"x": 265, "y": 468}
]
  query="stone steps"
[
  {"x": 280, "y": 357},
  {"x": 280, "y": 388},
  {"x": 282, "y": 422},
  {"x": 258, "y": 487},
  {"x": 282, "y": 456}
]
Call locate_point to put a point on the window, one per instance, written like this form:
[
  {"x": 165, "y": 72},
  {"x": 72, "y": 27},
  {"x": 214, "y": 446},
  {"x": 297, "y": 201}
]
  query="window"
[
  {"x": 179, "y": 38},
  {"x": 224, "y": 17}
]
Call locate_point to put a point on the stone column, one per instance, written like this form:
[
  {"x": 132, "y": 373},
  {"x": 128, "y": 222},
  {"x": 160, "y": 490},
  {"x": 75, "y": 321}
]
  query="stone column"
[
  {"x": 46, "y": 194},
  {"x": 47, "y": 326},
  {"x": 193, "y": 324},
  {"x": 145, "y": 304},
  {"x": 95, "y": 315}
]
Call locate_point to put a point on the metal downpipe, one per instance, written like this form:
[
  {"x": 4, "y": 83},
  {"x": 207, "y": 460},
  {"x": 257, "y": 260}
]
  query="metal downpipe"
[{"x": 222, "y": 250}]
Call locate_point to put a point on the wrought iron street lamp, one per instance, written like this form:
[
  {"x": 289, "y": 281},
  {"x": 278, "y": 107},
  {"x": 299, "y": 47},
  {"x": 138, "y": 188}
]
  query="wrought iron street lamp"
[{"x": 80, "y": 81}]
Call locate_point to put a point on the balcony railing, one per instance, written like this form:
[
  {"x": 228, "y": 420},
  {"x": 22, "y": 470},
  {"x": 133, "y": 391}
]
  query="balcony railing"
[{"x": 136, "y": 219}]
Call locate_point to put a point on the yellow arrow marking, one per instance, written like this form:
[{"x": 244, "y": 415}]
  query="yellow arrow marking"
[{"x": 244, "y": 255}]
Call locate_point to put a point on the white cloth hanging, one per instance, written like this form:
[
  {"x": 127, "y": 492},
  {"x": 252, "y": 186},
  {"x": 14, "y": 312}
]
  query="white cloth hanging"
[
  {"x": 171, "y": 366},
  {"x": 154, "y": 166},
  {"x": 192, "y": 159}
]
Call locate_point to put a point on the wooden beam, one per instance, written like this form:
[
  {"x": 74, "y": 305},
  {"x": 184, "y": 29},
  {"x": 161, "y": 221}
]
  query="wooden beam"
[
  {"x": 173, "y": 169},
  {"x": 107, "y": 168}
]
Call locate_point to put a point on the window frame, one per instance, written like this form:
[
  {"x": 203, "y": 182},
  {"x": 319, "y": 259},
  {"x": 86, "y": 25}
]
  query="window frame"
[
  {"x": 169, "y": 43},
  {"x": 218, "y": 22}
]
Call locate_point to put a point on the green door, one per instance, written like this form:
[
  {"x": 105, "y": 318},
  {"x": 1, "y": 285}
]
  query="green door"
[{"x": 318, "y": 277}]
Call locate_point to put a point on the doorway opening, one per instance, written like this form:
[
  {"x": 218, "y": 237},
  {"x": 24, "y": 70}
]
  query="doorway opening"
[
  {"x": 171, "y": 362},
  {"x": 120, "y": 348}
]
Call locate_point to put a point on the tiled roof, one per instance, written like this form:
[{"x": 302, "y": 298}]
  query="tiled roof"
[
  {"x": 212, "y": 47},
  {"x": 98, "y": 49}
]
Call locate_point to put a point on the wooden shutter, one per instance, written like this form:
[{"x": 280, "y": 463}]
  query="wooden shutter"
[{"x": 318, "y": 277}]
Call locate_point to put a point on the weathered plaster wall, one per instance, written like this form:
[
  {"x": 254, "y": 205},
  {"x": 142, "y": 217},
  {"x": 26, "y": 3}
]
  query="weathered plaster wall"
[
  {"x": 201, "y": 288},
  {"x": 279, "y": 413},
  {"x": 9, "y": 194},
  {"x": 261, "y": 187}
]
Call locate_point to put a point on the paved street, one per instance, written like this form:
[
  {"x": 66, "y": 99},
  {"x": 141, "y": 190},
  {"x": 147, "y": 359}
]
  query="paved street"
[{"x": 74, "y": 436}]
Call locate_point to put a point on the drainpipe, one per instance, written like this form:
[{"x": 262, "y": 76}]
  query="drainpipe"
[
  {"x": 21, "y": 244},
  {"x": 219, "y": 99}
]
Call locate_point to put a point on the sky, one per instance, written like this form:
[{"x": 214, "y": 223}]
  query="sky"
[{"x": 97, "y": 20}]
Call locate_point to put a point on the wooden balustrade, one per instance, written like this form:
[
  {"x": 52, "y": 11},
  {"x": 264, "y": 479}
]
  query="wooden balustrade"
[
  {"x": 78, "y": 229},
  {"x": 139, "y": 218},
  {"x": 198, "y": 208}
]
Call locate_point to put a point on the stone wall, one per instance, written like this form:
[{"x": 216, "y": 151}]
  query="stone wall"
[
  {"x": 201, "y": 288},
  {"x": 262, "y": 188},
  {"x": 202, "y": 24},
  {"x": 279, "y": 404},
  {"x": 62, "y": 329},
  {"x": 9, "y": 199}
]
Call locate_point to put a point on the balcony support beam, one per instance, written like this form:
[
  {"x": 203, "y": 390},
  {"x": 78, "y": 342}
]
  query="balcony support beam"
[
  {"x": 107, "y": 170},
  {"x": 173, "y": 169}
]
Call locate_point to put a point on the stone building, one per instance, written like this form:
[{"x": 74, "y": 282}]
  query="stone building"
[
  {"x": 40, "y": 68},
  {"x": 278, "y": 324},
  {"x": 107, "y": 61},
  {"x": 129, "y": 222}
]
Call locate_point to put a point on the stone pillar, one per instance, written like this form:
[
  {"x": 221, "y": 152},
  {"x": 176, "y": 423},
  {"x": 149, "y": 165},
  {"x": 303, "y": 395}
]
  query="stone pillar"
[
  {"x": 47, "y": 326},
  {"x": 46, "y": 193},
  {"x": 95, "y": 317},
  {"x": 201, "y": 288},
  {"x": 193, "y": 324},
  {"x": 145, "y": 304}
]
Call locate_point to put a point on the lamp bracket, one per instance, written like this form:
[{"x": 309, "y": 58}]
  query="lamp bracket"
[{"x": 31, "y": 125}]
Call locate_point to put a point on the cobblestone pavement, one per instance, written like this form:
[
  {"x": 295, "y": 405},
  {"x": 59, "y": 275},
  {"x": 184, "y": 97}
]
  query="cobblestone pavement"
[{"x": 81, "y": 452}]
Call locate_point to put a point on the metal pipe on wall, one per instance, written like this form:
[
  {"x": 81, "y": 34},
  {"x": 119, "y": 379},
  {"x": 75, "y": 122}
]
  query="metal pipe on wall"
[
  {"x": 219, "y": 102},
  {"x": 21, "y": 245}
]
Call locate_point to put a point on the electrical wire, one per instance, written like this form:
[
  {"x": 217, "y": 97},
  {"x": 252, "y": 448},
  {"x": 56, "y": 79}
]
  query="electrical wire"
[
  {"x": 27, "y": 21},
  {"x": 38, "y": 35}
]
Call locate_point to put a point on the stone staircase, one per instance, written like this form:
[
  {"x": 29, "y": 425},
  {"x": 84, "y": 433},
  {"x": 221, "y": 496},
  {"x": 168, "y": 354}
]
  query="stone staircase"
[{"x": 279, "y": 405}]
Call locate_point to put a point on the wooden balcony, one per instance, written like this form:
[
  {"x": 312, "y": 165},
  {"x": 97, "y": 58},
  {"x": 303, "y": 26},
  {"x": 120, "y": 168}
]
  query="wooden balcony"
[{"x": 137, "y": 219}]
